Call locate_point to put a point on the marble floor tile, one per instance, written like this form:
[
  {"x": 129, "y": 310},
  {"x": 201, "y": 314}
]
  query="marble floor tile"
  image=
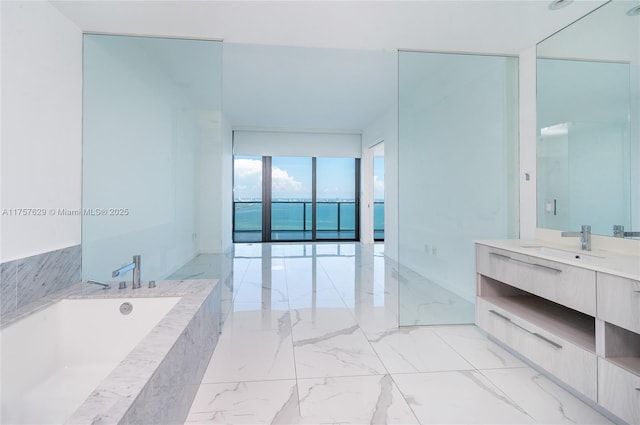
[
  {"x": 544, "y": 400},
  {"x": 375, "y": 320},
  {"x": 259, "y": 316},
  {"x": 356, "y": 400},
  {"x": 311, "y": 322},
  {"x": 472, "y": 344},
  {"x": 252, "y": 291},
  {"x": 309, "y": 298},
  {"x": 416, "y": 349},
  {"x": 251, "y": 355},
  {"x": 265, "y": 402},
  {"x": 340, "y": 352},
  {"x": 312, "y": 337},
  {"x": 460, "y": 397}
]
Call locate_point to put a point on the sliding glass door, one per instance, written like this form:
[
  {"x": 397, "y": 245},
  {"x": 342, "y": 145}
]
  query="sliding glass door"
[
  {"x": 291, "y": 198},
  {"x": 336, "y": 201},
  {"x": 247, "y": 199},
  {"x": 295, "y": 199}
]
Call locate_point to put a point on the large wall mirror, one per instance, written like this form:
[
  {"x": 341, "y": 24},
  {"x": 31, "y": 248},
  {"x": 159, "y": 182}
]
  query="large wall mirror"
[{"x": 588, "y": 106}]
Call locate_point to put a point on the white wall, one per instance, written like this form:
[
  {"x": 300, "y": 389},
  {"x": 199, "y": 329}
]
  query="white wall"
[
  {"x": 528, "y": 138},
  {"x": 384, "y": 128},
  {"x": 41, "y": 127}
]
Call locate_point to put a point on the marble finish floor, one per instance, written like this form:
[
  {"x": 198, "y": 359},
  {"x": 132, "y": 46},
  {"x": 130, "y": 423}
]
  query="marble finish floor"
[{"x": 312, "y": 337}]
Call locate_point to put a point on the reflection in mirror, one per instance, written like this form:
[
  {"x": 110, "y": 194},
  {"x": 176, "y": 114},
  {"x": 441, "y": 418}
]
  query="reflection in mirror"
[{"x": 588, "y": 158}]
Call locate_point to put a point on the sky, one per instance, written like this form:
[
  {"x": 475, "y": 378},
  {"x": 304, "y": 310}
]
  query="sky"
[{"x": 291, "y": 178}]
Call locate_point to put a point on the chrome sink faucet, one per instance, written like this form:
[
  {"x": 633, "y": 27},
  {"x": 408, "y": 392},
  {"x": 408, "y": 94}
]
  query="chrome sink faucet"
[
  {"x": 584, "y": 235},
  {"x": 135, "y": 266},
  {"x": 618, "y": 232}
]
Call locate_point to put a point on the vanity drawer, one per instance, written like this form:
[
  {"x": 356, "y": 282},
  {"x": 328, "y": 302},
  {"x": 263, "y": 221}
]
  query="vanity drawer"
[
  {"x": 619, "y": 301},
  {"x": 568, "y": 362},
  {"x": 619, "y": 391},
  {"x": 570, "y": 286}
]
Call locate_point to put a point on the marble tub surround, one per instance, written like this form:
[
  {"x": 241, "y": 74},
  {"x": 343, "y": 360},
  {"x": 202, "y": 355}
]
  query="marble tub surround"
[
  {"x": 300, "y": 349},
  {"x": 157, "y": 381},
  {"x": 30, "y": 279}
]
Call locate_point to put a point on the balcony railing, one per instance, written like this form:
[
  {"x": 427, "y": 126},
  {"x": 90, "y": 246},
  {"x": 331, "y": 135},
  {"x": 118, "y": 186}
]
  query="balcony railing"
[{"x": 296, "y": 216}]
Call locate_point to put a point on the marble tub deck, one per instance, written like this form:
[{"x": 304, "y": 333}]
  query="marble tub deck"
[
  {"x": 172, "y": 357},
  {"x": 312, "y": 338}
]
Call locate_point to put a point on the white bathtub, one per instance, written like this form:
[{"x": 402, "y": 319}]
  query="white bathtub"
[{"x": 53, "y": 359}]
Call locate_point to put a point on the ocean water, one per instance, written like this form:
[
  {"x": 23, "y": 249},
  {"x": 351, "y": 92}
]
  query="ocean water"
[{"x": 292, "y": 216}]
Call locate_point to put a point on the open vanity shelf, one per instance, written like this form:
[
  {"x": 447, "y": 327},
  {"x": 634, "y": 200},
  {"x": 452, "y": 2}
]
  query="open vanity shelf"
[
  {"x": 577, "y": 324},
  {"x": 557, "y": 319}
]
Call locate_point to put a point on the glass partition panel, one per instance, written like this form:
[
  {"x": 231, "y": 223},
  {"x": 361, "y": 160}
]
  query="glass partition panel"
[
  {"x": 458, "y": 177},
  {"x": 151, "y": 129}
]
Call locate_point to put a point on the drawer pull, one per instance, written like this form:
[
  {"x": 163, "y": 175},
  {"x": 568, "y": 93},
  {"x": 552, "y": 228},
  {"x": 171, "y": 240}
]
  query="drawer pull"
[
  {"x": 537, "y": 335},
  {"x": 506, "y": 257},
  {"x": 502, "y": 316}
]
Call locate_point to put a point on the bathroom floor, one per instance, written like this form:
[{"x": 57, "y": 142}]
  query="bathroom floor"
[{"x": 312, "y": 338}]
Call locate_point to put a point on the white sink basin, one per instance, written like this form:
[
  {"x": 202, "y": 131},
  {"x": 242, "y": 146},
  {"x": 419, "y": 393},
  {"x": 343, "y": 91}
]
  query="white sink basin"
[{"x": 561, "y": 253}]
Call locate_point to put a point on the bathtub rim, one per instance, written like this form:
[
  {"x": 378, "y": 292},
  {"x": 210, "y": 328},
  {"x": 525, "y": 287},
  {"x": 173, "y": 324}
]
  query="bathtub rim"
[{"x": 116, "y": 394}]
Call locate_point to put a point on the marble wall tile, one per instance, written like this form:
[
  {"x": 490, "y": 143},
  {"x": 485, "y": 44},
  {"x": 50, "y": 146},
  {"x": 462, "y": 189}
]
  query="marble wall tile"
[
  {"x": 32, "y": 278},
  {"x": 8, "y": 287}
]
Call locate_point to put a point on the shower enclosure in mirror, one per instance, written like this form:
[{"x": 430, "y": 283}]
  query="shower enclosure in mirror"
[
  {"x": 151, "y": 127},
  {"x": 588, "y": 160},
  {"x": 458, "y": 177}
]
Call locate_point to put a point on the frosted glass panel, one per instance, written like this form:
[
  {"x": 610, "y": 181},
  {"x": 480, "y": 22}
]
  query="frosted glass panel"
[
  {"x": 458, "y": 177},
  {"x": 151, "y": 121}
]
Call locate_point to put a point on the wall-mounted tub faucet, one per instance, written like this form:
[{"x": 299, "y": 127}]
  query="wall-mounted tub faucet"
[
  {"x": 584, "y": 235},
  {"x": 135, "y": 266},
  {"x": 95, "y": 282}
]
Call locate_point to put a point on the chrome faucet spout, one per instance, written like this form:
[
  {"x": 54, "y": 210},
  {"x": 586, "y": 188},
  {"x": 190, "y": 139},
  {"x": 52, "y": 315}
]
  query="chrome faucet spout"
[
  {"x": 584, "y": 235},
  {"x": 135, "y": 266},
  {"x": 95, "y": 282},
  {"x": 619, "y": 232}
]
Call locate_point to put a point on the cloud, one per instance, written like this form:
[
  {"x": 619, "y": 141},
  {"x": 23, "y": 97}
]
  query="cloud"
[
  {"x": 248, "y": 167},
  {"x": 283, "y": 182},
  {"x": 248, "y": 180}
]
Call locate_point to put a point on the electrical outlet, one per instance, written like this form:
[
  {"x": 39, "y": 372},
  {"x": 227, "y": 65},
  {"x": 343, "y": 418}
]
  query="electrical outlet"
[{"x": 434, "y": 252}]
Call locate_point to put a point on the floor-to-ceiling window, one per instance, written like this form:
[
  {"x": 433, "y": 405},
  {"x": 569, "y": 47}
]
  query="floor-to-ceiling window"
[
  {"x": 295, "y": 198},
  {"x": 247, "y": 199},
  {"x": 291, "y": 198},
  {"x": 336, "y": 200}
]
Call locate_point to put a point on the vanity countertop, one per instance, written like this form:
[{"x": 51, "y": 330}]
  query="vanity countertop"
[{"x": 615, "y": 263}]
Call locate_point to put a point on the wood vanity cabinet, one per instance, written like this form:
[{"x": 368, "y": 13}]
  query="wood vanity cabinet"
[
  {"x": 580, "y": 325},
  {"x": 619, "y": 301}
]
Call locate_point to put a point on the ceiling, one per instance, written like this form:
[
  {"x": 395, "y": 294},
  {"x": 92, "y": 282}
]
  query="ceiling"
[{"x": 273, "y": 79}]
